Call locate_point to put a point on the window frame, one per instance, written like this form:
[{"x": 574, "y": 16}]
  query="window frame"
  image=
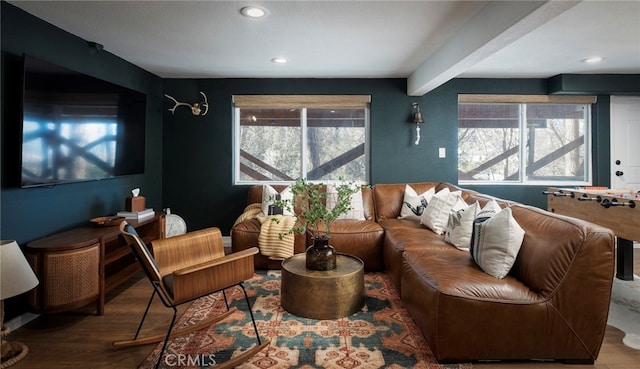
[
  {"x": 303, "y": 103},
  {"x": 523, "y": 101}
]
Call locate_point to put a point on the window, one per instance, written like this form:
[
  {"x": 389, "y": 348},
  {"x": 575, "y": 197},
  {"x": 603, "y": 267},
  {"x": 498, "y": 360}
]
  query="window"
[
  {"x": 524, "y": 139},
  {"x": 281, "y": 138}
]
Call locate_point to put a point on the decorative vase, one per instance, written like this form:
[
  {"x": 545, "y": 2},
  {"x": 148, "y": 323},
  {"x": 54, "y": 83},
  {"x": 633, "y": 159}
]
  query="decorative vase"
[{"x": 321, "y": 255}]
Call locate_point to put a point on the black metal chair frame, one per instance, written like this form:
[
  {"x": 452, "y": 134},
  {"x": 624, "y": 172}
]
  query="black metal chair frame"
[{"x": 166, "y": 301}]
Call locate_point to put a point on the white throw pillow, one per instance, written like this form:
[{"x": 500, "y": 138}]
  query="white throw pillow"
[
  {"x": 357, "y": 206},
  {"x": 269, "y": 195},
  {"x": 460, "y": 226},
  {"x": 489, "y": 209},
  {"x": 436, "y": 215},
  {"x": 413, "y": 205},
  {"x": 496, "y": 242}
]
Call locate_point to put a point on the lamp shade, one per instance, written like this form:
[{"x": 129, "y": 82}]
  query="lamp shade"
[{"x": 16, "y": 275}]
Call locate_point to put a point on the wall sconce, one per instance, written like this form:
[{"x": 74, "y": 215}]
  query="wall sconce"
[
  {"x": 201, "y": 108},
  {"x": 417, "y": 119}
]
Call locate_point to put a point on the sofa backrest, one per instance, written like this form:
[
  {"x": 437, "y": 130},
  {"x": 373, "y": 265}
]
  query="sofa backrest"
[
  {"x": 388, "y": 197},
  {"x": 483, "y": 199},
  {"x": 254, "y": 195},
  {"x": 559, "y": 250},
  {"x": 367, "y": 202}
]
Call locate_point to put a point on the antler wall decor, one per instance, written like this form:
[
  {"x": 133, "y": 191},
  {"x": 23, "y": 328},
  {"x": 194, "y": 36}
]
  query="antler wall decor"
[{"x": 201, "y": 108}]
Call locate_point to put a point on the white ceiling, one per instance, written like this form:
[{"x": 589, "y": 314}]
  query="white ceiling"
[{"x": 427, "y": 42}]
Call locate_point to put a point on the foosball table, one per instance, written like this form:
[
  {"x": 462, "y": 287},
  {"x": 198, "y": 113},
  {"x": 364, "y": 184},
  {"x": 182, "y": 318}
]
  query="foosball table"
[{"x": 618, "y": 210}]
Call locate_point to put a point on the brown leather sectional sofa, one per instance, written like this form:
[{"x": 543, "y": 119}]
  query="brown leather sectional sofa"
[
  {"x": 553, "y": 304},
  {"x": 361, "y": 238}
]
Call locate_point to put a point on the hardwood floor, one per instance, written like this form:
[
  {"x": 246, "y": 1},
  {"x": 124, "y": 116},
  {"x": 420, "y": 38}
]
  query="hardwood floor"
[{"x": 80, "y": 339}]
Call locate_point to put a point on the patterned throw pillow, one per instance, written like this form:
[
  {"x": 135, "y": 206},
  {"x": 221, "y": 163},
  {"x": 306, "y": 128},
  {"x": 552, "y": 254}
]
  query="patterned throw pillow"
[
  {"x": 357, "y": 206},
  {"x": 460, "y": 226},
  {"x": 436, "y": 215},
  {"x": 269, "y": 195},
  {"x": 413, "y": 205},
  {"x": 495, "y": 242}
]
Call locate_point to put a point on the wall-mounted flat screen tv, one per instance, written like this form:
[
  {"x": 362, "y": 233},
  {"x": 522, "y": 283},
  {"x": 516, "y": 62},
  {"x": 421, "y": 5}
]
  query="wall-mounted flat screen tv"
[{"x": 76, "y": 127}]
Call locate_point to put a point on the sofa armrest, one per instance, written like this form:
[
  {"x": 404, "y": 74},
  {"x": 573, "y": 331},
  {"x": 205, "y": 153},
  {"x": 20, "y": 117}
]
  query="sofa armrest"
[{"x": 555, "y": 247}]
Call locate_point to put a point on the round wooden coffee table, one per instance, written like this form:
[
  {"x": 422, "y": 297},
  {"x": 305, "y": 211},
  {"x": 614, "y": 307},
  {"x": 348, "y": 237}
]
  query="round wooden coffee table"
[{"x": 327, "y": 294}]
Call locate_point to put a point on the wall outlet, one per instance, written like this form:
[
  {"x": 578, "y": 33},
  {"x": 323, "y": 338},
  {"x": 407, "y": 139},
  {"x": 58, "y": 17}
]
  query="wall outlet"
[{"x": 442, "y": 152}]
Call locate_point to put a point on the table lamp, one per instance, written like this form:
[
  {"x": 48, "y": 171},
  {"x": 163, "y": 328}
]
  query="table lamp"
[{"x": 16, "y": 277}]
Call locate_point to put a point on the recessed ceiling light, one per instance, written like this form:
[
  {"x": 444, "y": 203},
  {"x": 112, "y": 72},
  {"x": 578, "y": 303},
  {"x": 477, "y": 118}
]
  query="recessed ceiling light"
[
  {"x": 279, "y": 60},
  {"x": 592, "y": 60},
  {"x": 254, "y": 12}
]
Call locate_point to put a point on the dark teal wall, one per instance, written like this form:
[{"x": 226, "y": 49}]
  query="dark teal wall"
[
  {"x": 189, "y": 158},
  {"x": 197, "y": 164},
  {"x": 531, "y": 195},
  {"x": 28, "y": 214},
  {"x": 594, "y": 84},
  {"x": 601, "y": 141}
]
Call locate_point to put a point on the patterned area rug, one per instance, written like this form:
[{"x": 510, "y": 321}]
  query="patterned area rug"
[{"x": 381, "y": 335}]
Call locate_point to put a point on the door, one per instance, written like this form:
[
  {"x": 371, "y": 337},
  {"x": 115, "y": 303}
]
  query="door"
[{"x": 625, "y": 148}]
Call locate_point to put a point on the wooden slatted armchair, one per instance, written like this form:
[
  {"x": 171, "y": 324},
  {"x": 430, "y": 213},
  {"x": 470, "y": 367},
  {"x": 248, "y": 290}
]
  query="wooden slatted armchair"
[{"x": 184, "y": 268}]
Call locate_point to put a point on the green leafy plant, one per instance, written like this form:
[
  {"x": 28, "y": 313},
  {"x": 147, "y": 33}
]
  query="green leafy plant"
[{"x": 309, "y": 206}]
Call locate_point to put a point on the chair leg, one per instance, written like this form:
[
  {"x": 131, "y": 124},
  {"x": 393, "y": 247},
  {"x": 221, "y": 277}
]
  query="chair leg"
[
  {"x": 247, "y": 354},
  {"x": 226, "y": 303},
  {"x": 168, "y": 336},
  {"x": 255, "y": 327},
  {"x": 232, "y": 363},
  {"x": 144, "y": 316},
  {"x": 177, "y": 332}
]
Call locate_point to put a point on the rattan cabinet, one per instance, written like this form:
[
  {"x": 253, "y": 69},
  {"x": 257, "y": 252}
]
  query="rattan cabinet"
[{"x": 79, "y": 266}]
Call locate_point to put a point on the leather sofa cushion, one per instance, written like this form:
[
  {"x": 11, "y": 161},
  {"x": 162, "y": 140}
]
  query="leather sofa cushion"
[
  {"x": 450, "y": 299},
  {"x": 466, "y": 314},
  {"x": 360, "y": 238},
  {"x": 397, "y": 240},
  {"x": 452, "y": 272},
  {"x": 394, "y": 223}
]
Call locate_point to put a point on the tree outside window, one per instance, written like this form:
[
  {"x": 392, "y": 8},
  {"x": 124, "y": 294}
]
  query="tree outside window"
[
  {"x": 283, "y": 144},
  {"x": 524, "y": 143}
]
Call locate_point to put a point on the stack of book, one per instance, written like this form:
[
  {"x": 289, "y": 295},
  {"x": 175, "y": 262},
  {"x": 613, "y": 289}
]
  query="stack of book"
[{"x": 137, "y": 215}]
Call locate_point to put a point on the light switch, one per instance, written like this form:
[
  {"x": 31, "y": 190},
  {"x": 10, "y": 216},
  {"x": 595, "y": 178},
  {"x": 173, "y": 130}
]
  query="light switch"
[{"x": 442, "y": 152}]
